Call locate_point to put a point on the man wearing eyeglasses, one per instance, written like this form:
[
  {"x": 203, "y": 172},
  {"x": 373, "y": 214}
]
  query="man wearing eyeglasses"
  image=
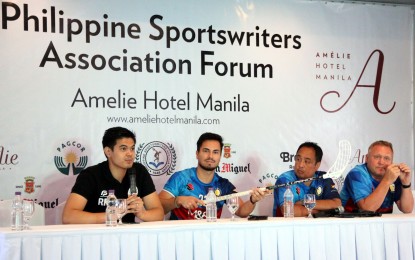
[
  {"x": 378, "y": 183},
  {"x": 307, "y": 161}
]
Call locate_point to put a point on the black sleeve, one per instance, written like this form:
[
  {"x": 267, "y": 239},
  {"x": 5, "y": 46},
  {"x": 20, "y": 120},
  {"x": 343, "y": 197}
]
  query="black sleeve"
[
  {"x": 145, "y": 183},
  {"x": 85, "y": 183}
]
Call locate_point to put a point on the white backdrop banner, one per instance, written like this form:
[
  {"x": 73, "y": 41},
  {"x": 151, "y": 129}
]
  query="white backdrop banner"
[{"x": 266, "y": 75}]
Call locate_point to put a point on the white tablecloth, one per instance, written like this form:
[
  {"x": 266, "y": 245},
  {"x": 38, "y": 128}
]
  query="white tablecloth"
[{"x": 387, "y": 237}]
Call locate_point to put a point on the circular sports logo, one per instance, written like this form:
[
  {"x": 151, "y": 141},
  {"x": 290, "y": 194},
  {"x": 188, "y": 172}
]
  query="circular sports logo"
[{"x": 159, "y": 158}]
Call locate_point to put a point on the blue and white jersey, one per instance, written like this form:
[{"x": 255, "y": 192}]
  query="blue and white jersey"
[
  {"x": 186, "y": 183},
  {"x": 359, "y": 184},
  {"x": 322, "y": 188}
]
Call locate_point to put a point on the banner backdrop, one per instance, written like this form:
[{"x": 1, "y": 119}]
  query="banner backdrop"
[{"x": 266, "y": 75}]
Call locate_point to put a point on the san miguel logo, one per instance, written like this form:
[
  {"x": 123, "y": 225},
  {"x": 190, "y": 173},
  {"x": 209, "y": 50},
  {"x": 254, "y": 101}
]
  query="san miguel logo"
[
  {"x": 29, "y": 184},
  {"x": 159, "y": 158},
  {"x": 71, "y": 155},
  {"x": 236, "y": 169},
  {"x": 227, "y": 150},
  {"x": 376, "y": 87}
]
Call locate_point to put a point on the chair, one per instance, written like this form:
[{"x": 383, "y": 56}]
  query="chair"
[{"x": 38, "y": 218}]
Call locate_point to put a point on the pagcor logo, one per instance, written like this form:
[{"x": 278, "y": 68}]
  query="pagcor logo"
[
  {"x": 268, "y": 179},
  {"x": 71, "y": 154}
]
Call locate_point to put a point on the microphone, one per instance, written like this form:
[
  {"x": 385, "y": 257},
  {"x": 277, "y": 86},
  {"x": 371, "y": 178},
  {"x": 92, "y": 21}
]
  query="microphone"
[
  {"x": 329, "y": 212},
  {"x": 132, "y": 175}
]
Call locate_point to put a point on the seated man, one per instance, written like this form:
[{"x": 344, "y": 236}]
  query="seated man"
[
  {"x": 378, "y": 183},
  {"x": 86, "y": 203},
  {"x": 307, "y": 162},
  {"x": 184, "y": 192}
]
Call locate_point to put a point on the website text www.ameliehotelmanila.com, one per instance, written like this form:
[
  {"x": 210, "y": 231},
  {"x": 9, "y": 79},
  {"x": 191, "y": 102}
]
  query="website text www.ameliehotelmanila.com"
[{"x": 150, "y": 119}]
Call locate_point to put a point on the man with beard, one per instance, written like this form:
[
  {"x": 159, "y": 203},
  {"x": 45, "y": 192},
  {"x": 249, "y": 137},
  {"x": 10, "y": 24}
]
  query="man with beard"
[
  {"x": 185, "y": 191},
  {"x": 307, "y": 161},
  {"x": 378, "y": 183}
]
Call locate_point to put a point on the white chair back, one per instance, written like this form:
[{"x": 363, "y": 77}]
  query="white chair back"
[{"x": 38, "y": 218}]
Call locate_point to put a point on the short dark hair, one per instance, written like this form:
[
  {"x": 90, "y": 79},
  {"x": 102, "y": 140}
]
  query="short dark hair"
[
  {"x": 317, "y": 150},
  {"x": 209, "y": 136},
  {"x": 111, "y": 136}
]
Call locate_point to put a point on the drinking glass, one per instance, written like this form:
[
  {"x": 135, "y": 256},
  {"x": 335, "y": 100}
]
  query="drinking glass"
[
  {"x": 121, "y": 209},
  {"x": 28, "y": 210},
  {"x": 309, "y": 203},
  {"x": 233, "y": 205}
]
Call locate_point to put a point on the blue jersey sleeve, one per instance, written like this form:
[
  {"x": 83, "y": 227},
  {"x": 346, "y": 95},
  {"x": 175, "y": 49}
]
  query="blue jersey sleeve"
[
  {"x": 174, "y": 183},
  {"x": 358, "y": 185},
  {"x": 329, "y": 190}
]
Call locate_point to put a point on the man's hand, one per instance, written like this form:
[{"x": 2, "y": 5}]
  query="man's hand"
[
  {"x": 258, "y": 194},
  {"x": 135, "y": 204},
  {"x": 392, "y": 173},
  {"x": 405, "y": 174},
  {"x": 188, "y": 202}
]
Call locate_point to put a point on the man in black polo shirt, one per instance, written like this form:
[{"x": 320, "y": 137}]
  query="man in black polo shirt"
[{"x": 86, "y": 203}]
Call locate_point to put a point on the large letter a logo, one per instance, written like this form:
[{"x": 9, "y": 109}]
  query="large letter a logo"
[{"x": 376, "y": 87}]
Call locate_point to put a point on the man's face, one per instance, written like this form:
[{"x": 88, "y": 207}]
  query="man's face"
[
  {"x": 305, "y": 163},
  {"x": 208, "y": 156},
  {"x": 123, "y": 153},
  {"x": 378, "y": 159}
]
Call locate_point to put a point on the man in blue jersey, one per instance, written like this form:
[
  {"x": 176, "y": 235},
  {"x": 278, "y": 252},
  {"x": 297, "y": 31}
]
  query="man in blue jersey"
[
  {"x": 378, "y": 183},
  {"x": 307, "y": 161},
  {"x": 184, "y": 192}
]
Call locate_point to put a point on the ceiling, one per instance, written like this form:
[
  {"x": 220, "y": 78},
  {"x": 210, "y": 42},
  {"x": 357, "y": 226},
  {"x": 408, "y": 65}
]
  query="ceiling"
[{"x": 389, "y": 2}]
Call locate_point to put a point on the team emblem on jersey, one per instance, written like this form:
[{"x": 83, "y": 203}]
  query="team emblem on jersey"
[
  {"x": 319, "y": 190},
  {"x": 189, "y": 186},
  {"x": 392, "y": 188},
  {"x": 297, "y": 190},
  {"x": 217, "y": 192}
]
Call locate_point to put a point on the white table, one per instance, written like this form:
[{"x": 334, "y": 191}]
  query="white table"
[{"x": 387, "y": 237}]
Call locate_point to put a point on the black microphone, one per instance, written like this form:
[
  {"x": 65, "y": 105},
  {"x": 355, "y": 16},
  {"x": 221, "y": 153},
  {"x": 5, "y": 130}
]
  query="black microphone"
[
  {"x": 133, "y": 185},
  {"x": 329, "y": 212}
]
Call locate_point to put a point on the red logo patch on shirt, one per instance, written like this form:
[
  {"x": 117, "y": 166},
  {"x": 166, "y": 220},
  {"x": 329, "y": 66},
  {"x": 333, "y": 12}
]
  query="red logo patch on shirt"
[
  {"x": 189, "y": 186},
  {"x": 297, "y": 190}
]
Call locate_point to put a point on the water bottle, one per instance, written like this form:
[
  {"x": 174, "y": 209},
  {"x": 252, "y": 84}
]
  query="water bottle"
[
  {"x": 288, "y": 203},
  {"x": 110, "y": 212},
  {"x": 17, "y": 211},
  {"x": 211, "y": 209}
]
